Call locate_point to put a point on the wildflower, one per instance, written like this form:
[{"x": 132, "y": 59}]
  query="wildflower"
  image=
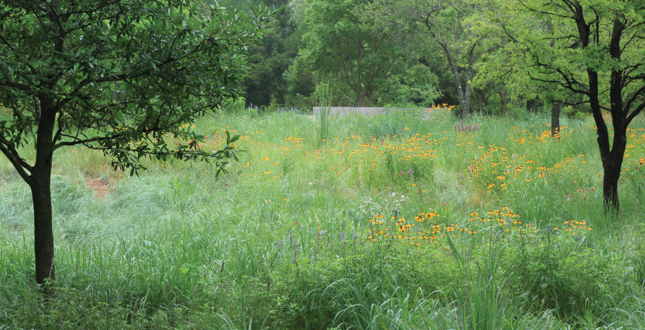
[{"x": 431, "y": 215}]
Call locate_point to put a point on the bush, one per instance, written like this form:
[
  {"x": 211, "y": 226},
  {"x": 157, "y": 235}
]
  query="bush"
[{"x": 561, "y": 272}]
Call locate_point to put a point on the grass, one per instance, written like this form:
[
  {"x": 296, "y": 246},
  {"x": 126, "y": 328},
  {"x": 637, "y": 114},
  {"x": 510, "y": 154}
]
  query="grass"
[{"x": 393, "y": 223}]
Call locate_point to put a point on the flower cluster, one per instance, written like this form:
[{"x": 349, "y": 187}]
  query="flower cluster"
[{"x": 502, "y": 220}]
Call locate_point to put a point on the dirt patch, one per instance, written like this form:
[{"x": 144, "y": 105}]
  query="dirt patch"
[{"x": 99, "y": 187}]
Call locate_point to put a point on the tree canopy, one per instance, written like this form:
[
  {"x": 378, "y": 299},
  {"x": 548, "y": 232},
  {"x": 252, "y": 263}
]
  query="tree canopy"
[{"x": 340, "y": 44}]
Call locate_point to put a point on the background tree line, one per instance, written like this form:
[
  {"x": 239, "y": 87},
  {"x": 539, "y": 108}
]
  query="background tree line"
[{"x": 378, "y": 53}]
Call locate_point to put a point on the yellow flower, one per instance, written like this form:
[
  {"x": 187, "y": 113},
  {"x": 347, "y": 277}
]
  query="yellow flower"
[{"x": 431, "y": 215}]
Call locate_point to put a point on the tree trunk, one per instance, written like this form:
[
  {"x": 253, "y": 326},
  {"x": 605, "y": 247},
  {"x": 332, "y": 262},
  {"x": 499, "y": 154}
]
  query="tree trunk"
[
  {"x": 612, "y": 163},
  {"x": 43, "y": 229},
  {"x": 610, "y": 187},
  {"x": 480, "y": 94},
  {"x": 465, "y": 103},
  {"x": 502, "y": 100},
  {"x": 40, "y": 185},
  {"x": 555, "y": 120},
  {"x": 464, "y": 100},
  {"x": 360, "y": 100}
]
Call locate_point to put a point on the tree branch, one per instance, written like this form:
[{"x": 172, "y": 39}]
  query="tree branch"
[
  {"x": 542, "y": 12},
  {"x": 632, "y": 99},
  {"x": 9, "y": 150},
  {"x": 638, "y": 110}
]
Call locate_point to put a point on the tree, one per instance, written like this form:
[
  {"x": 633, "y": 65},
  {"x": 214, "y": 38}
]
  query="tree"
[
  {"x": 449, "y": 24},
  {"x": 338, "y": 43},
  {"x": 590, "y": 48},
  {"x": 115, "y": 76},
  {"x": 415, "y": 86},
  {"x": 270, "y": 59}
]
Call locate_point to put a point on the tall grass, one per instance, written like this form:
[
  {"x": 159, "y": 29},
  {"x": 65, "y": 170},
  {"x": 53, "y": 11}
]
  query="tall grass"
[
  {"x": 283, "y": 241},
  {"x": 325, "y": 112}
]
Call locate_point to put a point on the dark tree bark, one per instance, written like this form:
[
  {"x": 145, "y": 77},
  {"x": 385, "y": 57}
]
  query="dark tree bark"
[
  {"x": 480, "y": 94},
  {"x": 502, "y": 99},
  {"x": 40, "y": 185},
  {"x": 555, "y": 120},
  {"x": 612, "y": 157}
]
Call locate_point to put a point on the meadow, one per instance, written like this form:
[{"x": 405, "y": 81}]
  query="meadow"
[{"x": 385, "y": 222}]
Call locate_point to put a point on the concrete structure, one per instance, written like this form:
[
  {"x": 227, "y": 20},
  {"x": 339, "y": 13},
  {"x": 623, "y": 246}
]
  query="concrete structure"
[{"x": 370, "y": 111}]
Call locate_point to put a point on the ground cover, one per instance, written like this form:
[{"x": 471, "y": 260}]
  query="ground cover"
[{"x": 393, "y": 222}]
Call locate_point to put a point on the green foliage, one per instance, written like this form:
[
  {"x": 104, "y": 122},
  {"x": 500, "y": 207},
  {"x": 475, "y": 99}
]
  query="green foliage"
[
  {"x": 416, "y": 86},
  {"x": 121, "y": 76},
  {"x": 481, "y": 299},
  {"x": 119, "y": 82},
  {"x": 337, "y": 42},
  {"x": 451, "y": 25},
  {"x": 270, "y": 59},
  {"x": 234, "y": 106},
  {"x": 325, "y": 111},
  {"x": 567, "y": 275},
  {"x": 587, "y": 49}
]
